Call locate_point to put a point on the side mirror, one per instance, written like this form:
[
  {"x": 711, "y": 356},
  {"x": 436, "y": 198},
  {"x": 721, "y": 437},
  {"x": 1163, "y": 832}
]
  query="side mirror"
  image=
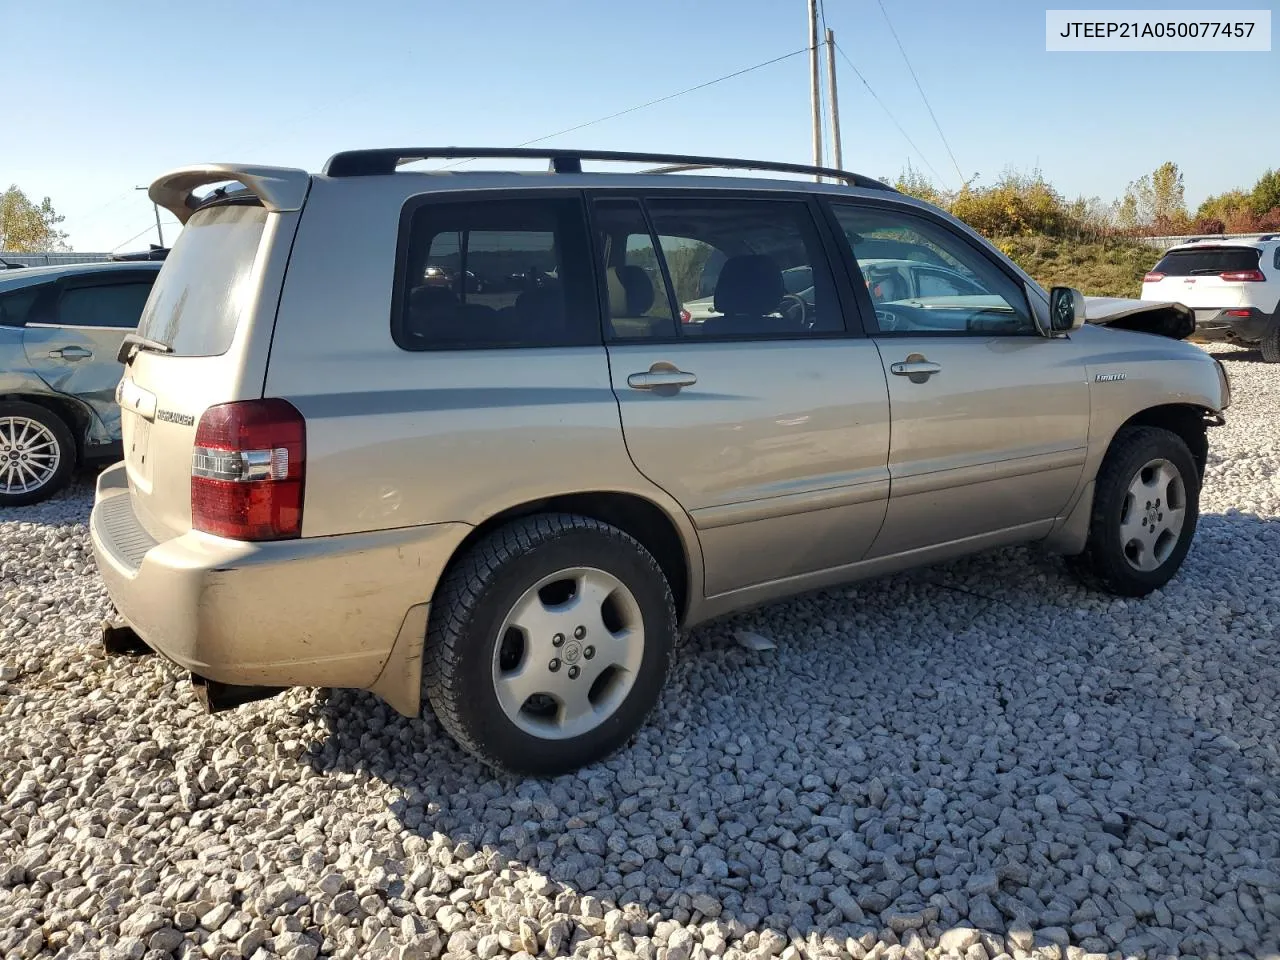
[{"x": 1066, "y": 309}]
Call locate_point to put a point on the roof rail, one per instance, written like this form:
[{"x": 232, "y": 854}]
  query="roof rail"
[{"x": 366, "y": 163}]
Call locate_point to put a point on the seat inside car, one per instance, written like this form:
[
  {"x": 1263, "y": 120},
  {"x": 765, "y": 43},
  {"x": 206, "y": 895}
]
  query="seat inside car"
[
  {"x": 631, "y": 296},
  {"x": 749, "y": 290}
]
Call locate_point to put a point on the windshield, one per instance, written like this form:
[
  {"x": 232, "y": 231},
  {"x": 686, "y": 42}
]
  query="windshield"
[{"x": 197, "y": 300}]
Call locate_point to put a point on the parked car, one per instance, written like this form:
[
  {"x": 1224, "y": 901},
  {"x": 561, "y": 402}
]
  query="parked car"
[
  {"x": 1232, "y": 284},
  {"x": 60, "y": 330},
  {"x": 507, "y": 508}
]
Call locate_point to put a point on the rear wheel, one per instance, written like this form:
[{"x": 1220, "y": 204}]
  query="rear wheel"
[
  {"x": 1145, "y": 507},
  {"x": 37, "y": 453},
  {"x": 1270, "y": 344},
  {"x": 548, "y": 644}
]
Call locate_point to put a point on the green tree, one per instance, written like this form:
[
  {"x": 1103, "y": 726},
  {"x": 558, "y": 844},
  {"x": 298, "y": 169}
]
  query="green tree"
[
  {"x": 1266, "y": 193},
  {"x": 26, "y": 226},
  {"x": 1155, "y": 201},
  {"x": 1223, "y": 206}
]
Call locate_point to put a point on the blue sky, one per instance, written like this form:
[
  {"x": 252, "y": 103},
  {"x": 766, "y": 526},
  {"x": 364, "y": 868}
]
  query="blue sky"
[{"x": 291, "y": 83}]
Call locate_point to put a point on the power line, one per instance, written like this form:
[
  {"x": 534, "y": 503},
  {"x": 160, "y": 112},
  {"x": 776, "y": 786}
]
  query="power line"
[
  {"x": 649, "y": 103},
  {"x": 888, "y": 112},
  {"x": 912, "y": 71},
  {"x": 147, "y": 229}
]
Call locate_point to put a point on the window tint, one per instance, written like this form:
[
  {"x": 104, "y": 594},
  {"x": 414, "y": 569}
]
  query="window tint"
[
  {"x": 497, "y": 273},
  {"x": 15, "y": 305},
  {"x": 115, "y": 305},
  {"x": 203, "y": 287},
  {"x": 1207, "y": 261},
  {"x": 972, "y": 296},
  {"x": 637, "y": 300},
  {"x": 745, "y": 268}
]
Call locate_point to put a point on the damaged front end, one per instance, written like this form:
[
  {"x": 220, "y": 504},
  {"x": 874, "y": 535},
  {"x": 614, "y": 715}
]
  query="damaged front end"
[{"x": 1165, "y": 319}]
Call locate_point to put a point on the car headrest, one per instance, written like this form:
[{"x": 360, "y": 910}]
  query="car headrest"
[
  {"x": 749, "y": 285},
  {"x": 630, "y": 291}
]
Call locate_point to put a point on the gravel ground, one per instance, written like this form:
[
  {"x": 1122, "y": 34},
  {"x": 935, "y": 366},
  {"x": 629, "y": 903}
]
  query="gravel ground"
[{"x": 973, "y": 760}]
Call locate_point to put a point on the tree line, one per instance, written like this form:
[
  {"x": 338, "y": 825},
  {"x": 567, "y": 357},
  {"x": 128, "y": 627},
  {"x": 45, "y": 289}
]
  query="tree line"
[{"x": 1025, "y": 204}]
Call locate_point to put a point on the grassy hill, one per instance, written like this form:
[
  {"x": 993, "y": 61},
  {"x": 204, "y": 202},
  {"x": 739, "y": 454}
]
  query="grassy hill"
[{"x": 1099, "y": 268}]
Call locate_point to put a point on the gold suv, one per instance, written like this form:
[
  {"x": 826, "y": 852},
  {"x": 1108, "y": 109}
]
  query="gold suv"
[{"x": 458, "y": 439}]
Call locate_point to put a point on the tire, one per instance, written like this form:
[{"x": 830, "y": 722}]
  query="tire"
[
  {"x": 1270, "y": 343},
  {"x": 1135, "y": 566},
  {"x": 479, "y": 646},
  {"x": 37, "y": 453}
]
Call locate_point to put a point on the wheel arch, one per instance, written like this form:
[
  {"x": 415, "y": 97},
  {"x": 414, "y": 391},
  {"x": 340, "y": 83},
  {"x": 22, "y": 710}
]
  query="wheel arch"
[
  {"x": 676, "y": 551},
  {"x": 1189, "y": 421}
]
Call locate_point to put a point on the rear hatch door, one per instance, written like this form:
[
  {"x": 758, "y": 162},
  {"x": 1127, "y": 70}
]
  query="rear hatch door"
[
  {"x": 1194, "y": 276},
  {"x": 204, "y": 335}
]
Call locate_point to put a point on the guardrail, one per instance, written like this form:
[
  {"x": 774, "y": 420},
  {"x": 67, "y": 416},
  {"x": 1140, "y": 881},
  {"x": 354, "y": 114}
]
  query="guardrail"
[{"x": 1163, "y": 242}]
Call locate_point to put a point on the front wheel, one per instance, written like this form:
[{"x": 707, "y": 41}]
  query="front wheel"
[
  {"x": 1145, "y": 507},
  {"x": 548, "y": 644},
  {"x": 37, "y": 453}
]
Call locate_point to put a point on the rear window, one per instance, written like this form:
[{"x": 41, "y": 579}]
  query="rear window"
[
  {"x": 202, "y": 289},
  {"x": 1207, "y": 261}
]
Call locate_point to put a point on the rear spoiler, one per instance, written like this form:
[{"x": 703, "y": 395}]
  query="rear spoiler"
[
  {"x": 280, "y": 189},
  {"x": 1165, "y": 318}
]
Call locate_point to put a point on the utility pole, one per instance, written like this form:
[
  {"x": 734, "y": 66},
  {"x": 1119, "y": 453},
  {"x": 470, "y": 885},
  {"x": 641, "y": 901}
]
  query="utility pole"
[
  {"x": 156, "y": 207},
  {"x": 815, "y": 86},
  {"x": 834, "y": 103}
]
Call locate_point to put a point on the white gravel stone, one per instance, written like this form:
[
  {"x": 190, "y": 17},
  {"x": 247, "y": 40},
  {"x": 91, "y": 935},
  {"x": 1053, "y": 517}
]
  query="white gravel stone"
[{"x": 982, "y": 744}]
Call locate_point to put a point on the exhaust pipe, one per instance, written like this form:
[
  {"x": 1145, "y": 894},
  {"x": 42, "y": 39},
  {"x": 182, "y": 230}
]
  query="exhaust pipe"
[
  {"x": 217, "y": 697},
  {"x": 119, "y": 640}
]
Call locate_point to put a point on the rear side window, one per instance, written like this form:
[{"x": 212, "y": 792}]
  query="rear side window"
[
  {"x": 108, "y": 305},
  {"x": 1207, "y": 261},
  {"x": 16, "y": 304},
  {"x": 203, "y": 287},
  {"x": 496, "y": 273},
  {"x": 738, "y": 268}
]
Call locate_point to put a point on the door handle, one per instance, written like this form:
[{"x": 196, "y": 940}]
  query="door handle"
[
  {"x": 919, "y": 370},
  {"x": 651, "y": 379},
  {"x": 70, "y": 353}
]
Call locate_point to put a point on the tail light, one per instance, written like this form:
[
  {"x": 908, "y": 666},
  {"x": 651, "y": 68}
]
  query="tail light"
[
  {"x": 1238, "y": 313},
  {"x": 247, "y": 470},
  {"x": 1153, "y": 277},
  {"x": 1247, "y": 276},
  {"x": 686, "y": 316}
]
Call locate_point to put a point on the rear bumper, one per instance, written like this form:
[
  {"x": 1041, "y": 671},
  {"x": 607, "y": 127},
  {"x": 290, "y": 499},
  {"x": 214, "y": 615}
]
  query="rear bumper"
[
  {"x": 320, "y": 611},
  {"x": 1215, "y": 324}
]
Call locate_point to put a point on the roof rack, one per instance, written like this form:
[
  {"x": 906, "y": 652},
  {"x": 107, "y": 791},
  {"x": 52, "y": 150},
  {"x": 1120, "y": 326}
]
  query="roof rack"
[{"x": 367, "y": 163}]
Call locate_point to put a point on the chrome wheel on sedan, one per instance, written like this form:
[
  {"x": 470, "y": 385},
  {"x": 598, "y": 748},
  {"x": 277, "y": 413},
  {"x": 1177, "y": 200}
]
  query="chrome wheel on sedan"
[
  {"x": 37, "y": 453},
  {"x": 29, "y": 455}
]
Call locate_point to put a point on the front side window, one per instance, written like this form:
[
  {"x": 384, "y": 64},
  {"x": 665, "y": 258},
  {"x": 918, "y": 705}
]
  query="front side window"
[
  {"x": 924, "y": 279},
  {"x": 496, "y": 273},
  {"x": 744, "y": 268},
  {"x": 112, "y": 305}
]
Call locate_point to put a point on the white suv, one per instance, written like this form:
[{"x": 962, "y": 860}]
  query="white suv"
[{"x": 1232, "y": 285}]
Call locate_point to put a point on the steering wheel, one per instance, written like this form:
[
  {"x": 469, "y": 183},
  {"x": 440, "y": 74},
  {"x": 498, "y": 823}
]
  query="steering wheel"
[{"x": 796, "y": 310}]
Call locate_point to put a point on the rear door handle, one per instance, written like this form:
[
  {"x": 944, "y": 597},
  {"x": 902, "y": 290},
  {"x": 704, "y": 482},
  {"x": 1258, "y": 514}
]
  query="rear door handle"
[
  {"x": 70, "y": 353},
  {"x": 660, "y": 378},
  {"x": 918, "y": 370}
]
